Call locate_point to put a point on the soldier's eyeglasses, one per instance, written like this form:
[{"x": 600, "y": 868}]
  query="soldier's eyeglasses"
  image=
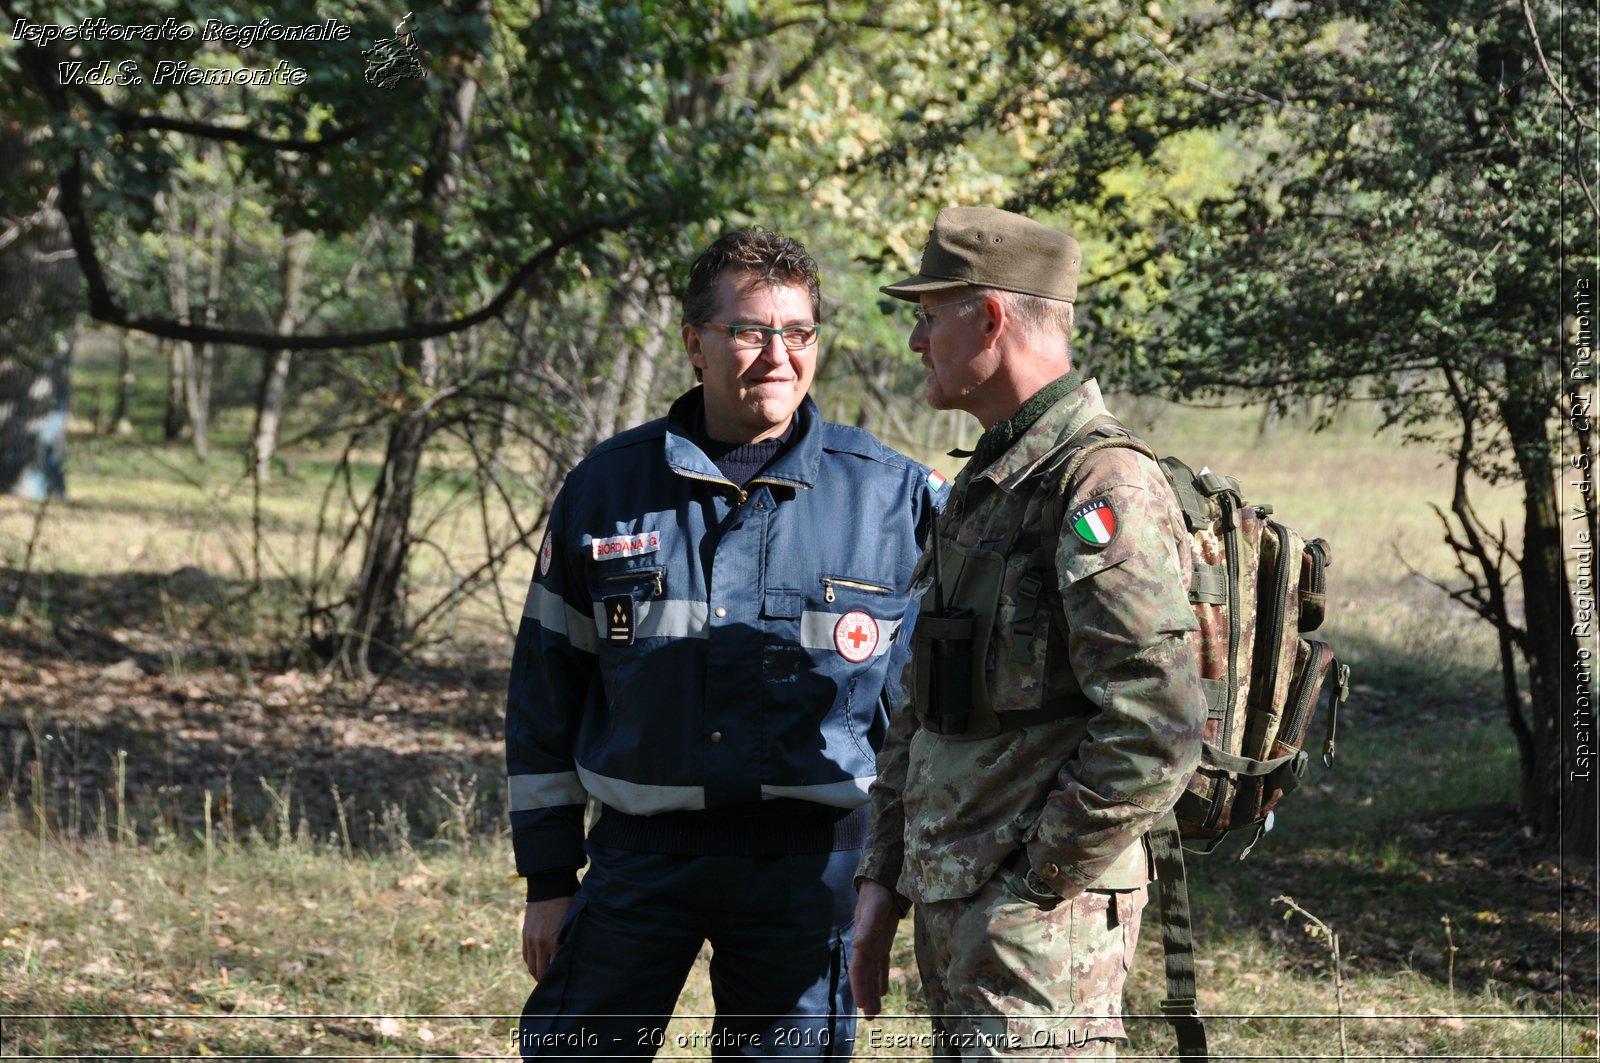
[{"x": 927, "y": 320}]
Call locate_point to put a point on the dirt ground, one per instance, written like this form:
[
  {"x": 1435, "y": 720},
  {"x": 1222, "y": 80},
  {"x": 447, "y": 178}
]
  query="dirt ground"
[{"x": 410, "y": 759}]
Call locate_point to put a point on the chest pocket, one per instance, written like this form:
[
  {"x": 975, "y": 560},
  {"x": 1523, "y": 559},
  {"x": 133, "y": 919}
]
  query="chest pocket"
[
  {"x": 981, "y": 662},
  {"x": 629, "y": 606},
  {"x": 950, "y": 646}
]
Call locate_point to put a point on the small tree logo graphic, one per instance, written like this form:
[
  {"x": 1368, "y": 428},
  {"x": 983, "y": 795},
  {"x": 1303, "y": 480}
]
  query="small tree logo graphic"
[{"x": 395, "y": 59}]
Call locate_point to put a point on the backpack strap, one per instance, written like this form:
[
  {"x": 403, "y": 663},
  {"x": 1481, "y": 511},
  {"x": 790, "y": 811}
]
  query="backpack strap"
[
  {"x": 1084, "y": 453},
  {"x": 1042, "y": 558},
  {"x": 1181, "y": 1006}
]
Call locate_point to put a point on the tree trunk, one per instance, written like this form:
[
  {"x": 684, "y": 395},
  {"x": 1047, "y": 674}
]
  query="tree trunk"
[
  {"x": 183, "y": 387},
  {"x": 378, "y": 626},
  {"x": 197, "y": 395},
  {"x": 1551, "y": 642},
  {"x": 275, "y": 375},
  {"x": 645, "y": 321},
  {"x": 39, "y": 294},
  {"x": 121, "y": 419},
  {"x": 172, "y": 423},
  {"x": 211, "y": 234},
  {"x": 35, "y": 380}
]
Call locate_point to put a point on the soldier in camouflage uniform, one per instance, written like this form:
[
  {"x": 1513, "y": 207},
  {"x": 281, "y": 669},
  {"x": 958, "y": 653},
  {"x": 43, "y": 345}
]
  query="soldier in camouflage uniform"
[{"x": 1056, "y": 710}]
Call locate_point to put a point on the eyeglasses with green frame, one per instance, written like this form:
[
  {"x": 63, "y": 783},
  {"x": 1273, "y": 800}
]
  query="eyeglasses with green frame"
[{"x": 795, "y": 337}]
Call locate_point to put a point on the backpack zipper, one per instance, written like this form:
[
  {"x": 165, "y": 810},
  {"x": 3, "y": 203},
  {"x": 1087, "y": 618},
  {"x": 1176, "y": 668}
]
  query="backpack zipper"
[
  {"x": 1294, "y": 723},
  {"x": 1269, "y": 625},
  {"x": 1230, "y": 542}
]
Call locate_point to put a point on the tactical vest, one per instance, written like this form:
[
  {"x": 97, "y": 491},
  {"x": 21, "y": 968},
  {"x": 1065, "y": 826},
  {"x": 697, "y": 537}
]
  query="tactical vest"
[{"x": 992, "y": 600}]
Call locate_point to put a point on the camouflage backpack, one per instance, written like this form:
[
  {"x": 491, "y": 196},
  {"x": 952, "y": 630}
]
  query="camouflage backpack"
[{"x": 1258, "y": 588}]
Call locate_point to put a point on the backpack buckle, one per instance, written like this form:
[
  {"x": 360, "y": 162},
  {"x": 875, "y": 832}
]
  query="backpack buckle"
[{"x": 1180, "y": 1008}]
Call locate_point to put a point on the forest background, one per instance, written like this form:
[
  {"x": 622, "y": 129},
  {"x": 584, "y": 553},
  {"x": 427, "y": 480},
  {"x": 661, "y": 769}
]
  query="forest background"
[{"x": 290, "y": 372}]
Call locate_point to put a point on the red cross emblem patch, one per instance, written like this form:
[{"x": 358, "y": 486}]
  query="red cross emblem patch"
[{"x": 856, "y": 636}]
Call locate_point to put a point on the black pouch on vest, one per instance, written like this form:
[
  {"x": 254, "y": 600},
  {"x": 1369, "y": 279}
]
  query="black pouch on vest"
[{"x": 943, "y": 641}]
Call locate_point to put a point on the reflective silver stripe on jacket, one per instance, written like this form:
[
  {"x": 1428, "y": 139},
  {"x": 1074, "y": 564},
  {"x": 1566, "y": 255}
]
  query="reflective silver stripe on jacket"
[
  {"x": 529, "y": 792},
  {"x": 645, "y": 799},
  {"x": 851, "y": 793},
  {"x": 816, "y": 632},
  {"x": 671, "y": 618},
  {"x": 641, "y": 799},
  {"x": 555, "y": 615}
]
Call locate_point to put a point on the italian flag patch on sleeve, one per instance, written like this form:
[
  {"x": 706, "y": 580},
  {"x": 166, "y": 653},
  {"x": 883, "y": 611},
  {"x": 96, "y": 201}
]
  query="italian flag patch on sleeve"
[{"x": 1095, "y": 522}]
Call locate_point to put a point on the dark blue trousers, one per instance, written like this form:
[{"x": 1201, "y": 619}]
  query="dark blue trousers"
[{"x": 779, "y": 929}]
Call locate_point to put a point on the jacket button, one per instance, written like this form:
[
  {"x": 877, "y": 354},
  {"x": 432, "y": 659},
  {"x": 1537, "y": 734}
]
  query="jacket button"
[
  {"x": 721, "y": 611},
  {"x": 716, "y": 736},
  {"x": 1051, "y": 871}
]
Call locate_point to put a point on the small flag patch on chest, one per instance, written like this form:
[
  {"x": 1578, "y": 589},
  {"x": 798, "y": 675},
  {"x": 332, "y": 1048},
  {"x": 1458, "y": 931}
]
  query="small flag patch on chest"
[
  {"x": 936, "y": 482},
  {"x": 1095, "y": 522}
]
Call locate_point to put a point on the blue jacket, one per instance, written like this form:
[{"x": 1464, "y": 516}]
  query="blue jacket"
[{"x": 691, "y": 645}]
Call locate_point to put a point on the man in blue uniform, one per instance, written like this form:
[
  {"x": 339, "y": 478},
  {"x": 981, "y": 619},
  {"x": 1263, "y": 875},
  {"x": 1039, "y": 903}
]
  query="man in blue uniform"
[{"x": 706, "y": 652}]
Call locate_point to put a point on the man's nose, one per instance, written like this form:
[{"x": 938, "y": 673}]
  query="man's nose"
[
  {"x": 774, "y": 349},
  {"x": 918, "y": 340}
]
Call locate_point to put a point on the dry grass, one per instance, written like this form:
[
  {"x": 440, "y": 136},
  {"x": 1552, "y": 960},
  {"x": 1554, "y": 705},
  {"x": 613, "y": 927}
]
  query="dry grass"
[{"x": 307, "y": 927}]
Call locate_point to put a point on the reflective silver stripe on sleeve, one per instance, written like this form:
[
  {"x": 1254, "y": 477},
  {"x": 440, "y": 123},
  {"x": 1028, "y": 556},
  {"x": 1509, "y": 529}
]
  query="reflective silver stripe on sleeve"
[
  {"x": 642, "y": 799},
  {"x": 816, "y": 632},
  {"x": 529, "y": 792},
  {"x": 676, "y": 619},
  {"x": 555, "y": 615},
  {"x": 851, "y": 793}
]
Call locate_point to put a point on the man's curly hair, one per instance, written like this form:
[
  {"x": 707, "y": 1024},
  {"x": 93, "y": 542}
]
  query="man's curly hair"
[{"x": 770, "y": 258}]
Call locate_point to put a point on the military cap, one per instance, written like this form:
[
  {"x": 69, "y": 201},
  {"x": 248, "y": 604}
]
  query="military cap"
[{"x": 988, "y": 248}]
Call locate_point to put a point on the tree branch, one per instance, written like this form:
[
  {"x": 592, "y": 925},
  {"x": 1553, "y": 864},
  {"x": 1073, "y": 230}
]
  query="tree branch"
[
  {"x": 103, "y": 306},
  {"x": 133, "y": 122},
  {"x": 1566, "y": 101},
  {"x": 1245, "y": 96},
  {"x": 1538, "y": 50}
]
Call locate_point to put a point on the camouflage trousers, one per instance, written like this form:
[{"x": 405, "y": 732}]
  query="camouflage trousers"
[{"x": 1008, "y": 978}]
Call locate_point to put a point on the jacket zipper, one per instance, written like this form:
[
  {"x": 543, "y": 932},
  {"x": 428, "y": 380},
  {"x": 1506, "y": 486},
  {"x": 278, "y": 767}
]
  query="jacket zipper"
[
  {"x": 829, "y": 582},
  {"x": 653, "y": 574},
  {"x": 713, "y": 480}
]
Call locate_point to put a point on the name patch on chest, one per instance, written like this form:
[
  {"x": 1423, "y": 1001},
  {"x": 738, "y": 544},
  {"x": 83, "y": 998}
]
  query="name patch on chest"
[{"x": 626, "y": 545}]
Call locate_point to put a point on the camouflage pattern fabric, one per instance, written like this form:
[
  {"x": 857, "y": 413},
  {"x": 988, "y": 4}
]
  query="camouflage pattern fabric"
[
  {"x": 1013, "y": 980},
  {"x": 1114, "y": 632},
  {"x": 1112, "y": 643}
]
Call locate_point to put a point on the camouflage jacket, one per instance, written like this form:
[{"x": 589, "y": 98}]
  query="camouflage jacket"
[{"x": 1111, "y": 645}]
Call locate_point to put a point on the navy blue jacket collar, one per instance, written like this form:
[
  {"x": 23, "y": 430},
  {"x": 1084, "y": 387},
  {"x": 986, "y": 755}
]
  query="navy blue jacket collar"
[{"x": 796, "y": 465}]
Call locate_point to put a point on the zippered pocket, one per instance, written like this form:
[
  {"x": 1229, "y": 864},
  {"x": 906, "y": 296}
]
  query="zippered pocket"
[
  {"x": 1314, "y": 584},
  {"x": 1312, "y": 660},
  {"x": 830, "y": 582},
  {"x": 651, "y": 580},
  {"x": 1281, "y": 553}
]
